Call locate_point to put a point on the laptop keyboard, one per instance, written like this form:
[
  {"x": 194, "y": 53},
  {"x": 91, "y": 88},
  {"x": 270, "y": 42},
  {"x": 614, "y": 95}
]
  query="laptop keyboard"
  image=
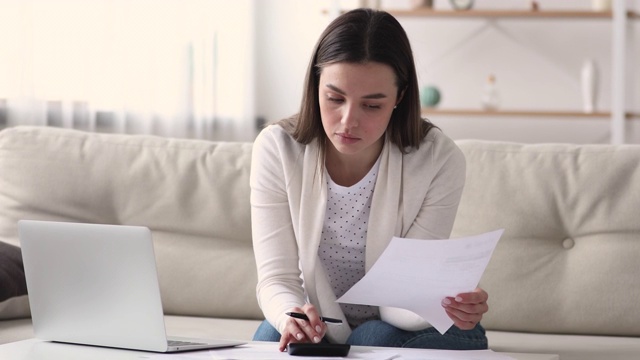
[{"x": 183, "y": 343}]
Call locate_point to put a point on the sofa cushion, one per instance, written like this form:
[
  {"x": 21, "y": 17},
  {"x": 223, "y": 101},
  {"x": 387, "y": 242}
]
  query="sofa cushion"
[
  {"x": 194, "y": 195},
  {"x": 15, "y": 308},
  {"x": 211, "y": 328},
  {"x": 568, "y": 347},
  {"x": 15, "y": 330},
  {"x": 568, "y": 260}
]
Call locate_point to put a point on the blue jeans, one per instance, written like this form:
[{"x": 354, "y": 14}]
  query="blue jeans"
[{"x": 380, "y": 333}]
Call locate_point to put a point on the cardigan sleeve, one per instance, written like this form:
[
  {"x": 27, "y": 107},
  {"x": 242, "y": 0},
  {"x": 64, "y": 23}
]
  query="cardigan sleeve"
[
  {"x": 279, "y": 285},
  {"x": 441, "y": 189}
]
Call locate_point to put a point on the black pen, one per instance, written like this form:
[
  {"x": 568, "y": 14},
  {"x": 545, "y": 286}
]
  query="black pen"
[{"x": 304, "y": 317}]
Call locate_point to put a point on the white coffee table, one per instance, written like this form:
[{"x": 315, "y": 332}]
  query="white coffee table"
[{"x": 34, "y": 349}]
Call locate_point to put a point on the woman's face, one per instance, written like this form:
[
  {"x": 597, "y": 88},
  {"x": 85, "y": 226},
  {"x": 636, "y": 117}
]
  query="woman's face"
[{"x": 356, "y": 103}]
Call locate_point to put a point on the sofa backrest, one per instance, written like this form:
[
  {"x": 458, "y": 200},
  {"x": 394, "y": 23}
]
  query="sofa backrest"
[
  {"x": 193, "y": 194},
  {"x": 569, "y": 260}
]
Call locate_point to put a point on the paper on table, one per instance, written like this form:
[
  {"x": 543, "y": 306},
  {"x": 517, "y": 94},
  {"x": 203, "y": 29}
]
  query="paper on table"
[
  {"x": 432, "y": 354},
  {"x": 269, "y": 351},
  {"x": 417, "y": 274}
]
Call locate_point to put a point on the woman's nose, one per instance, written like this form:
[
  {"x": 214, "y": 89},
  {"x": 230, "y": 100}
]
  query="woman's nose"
[{"x": 350, "y": 117}]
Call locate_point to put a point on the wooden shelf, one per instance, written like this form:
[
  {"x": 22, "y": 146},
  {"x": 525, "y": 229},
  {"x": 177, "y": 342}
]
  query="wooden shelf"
[
  {"x": 586, "y": 14},
  {"x": 523, "y": 113}
]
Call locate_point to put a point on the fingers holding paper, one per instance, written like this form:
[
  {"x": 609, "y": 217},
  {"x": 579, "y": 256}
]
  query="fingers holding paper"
[
  {"x": 299, "y": 330},
  {"x": 466, "y": 309}
]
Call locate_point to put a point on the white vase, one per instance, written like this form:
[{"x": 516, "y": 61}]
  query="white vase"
[
  {"x": 589, "y": 83},
  {"x": 601, "y": 5},
  {"x": 490, "y": 96}
]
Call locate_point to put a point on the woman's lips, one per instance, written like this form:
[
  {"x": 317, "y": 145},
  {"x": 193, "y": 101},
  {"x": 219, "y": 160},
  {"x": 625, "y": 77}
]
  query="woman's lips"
[{"x": 347, "y": 139}]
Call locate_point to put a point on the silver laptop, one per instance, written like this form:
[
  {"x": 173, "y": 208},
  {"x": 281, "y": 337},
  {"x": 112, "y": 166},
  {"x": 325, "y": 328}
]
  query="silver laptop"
[{"x": 97, "y": 285}]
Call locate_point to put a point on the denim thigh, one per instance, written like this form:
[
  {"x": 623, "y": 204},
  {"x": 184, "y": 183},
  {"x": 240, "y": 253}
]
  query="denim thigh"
[
  {"x": 266, "y": 332},
  {"x": 380, "y": 333}
]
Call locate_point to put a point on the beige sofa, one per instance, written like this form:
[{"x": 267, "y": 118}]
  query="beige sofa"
[{"x": 564, "y": 279}]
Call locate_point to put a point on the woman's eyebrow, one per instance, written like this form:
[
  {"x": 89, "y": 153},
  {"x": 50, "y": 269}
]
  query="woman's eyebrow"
[{"x": 370, "y": 96}]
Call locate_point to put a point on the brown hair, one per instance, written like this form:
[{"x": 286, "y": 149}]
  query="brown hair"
[{"x": 361, "y": 36}]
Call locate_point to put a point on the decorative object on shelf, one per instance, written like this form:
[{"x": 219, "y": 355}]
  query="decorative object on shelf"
[
  {"x": 589, "y": 83},
  {"x": 490, "y": 96},
  {"x": 461, "y": 4},
  {"x": 429, "y": 96},
  {"x": 373, "y": 4},
  {"x": 601, "y": 5},
  {"x": 535, "y": 6},
  {"x": 416, "y": 4}
]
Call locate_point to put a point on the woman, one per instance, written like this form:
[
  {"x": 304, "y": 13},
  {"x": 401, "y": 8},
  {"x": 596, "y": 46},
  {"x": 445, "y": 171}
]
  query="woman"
[{"x": 333, "y": 184}]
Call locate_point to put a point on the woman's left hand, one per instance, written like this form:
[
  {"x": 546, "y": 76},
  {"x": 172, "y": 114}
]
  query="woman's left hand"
[{"x": 466, "y": 309}]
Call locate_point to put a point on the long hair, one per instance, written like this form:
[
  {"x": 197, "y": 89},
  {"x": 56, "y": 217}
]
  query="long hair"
[{"x": 362, "y": 36}]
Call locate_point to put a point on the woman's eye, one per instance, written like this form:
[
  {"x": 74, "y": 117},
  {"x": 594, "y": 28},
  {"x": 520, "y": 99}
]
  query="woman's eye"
[
  {"x": 335, "y": 100},
  {"x": 372, "y": 106}
]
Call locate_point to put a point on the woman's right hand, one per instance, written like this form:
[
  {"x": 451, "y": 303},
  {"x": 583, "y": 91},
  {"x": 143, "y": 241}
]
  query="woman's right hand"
[{"x": 299, "y": 330}]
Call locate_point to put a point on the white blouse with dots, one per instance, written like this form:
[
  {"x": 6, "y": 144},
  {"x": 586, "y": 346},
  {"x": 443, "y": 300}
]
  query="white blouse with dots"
[{"x": 344, "y": 237}]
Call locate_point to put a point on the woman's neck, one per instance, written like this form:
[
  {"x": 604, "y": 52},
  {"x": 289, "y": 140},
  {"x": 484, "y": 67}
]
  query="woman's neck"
[{"x": 348, "y": 169}]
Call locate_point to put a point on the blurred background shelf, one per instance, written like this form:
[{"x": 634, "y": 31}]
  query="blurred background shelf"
[
  {"x": 619, "y": 16},
  {"x": 427, "y": 12},
  {"x": 523, "y": 113}
]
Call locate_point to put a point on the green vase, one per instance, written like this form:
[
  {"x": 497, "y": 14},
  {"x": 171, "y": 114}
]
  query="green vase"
[{"x": 429, "y": 96}]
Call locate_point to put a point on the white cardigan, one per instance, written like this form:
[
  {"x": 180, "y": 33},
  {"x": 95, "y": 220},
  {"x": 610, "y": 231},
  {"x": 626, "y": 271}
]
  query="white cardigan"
[{"x": 416, "y": 196}]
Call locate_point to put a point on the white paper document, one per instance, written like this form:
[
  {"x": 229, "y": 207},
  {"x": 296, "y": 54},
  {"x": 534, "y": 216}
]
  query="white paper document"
[
  {"x": 269, "y": 351},
  {"x": 418, "y": 274}
]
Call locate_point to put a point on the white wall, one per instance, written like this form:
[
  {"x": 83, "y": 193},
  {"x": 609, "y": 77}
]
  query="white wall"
[
  {"x": 536, "y": 62},
  {"x": 286, "y": 32}
]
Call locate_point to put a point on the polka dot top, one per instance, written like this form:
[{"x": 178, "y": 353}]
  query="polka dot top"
[{"x": 344, "y": 236}]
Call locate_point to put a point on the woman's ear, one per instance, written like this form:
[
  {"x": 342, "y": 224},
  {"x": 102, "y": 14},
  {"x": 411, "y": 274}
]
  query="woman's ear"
[{"x": 400, "y": 96}]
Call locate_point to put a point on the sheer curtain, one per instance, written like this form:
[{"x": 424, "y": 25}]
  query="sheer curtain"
[{"x": 180, "y": 68}]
